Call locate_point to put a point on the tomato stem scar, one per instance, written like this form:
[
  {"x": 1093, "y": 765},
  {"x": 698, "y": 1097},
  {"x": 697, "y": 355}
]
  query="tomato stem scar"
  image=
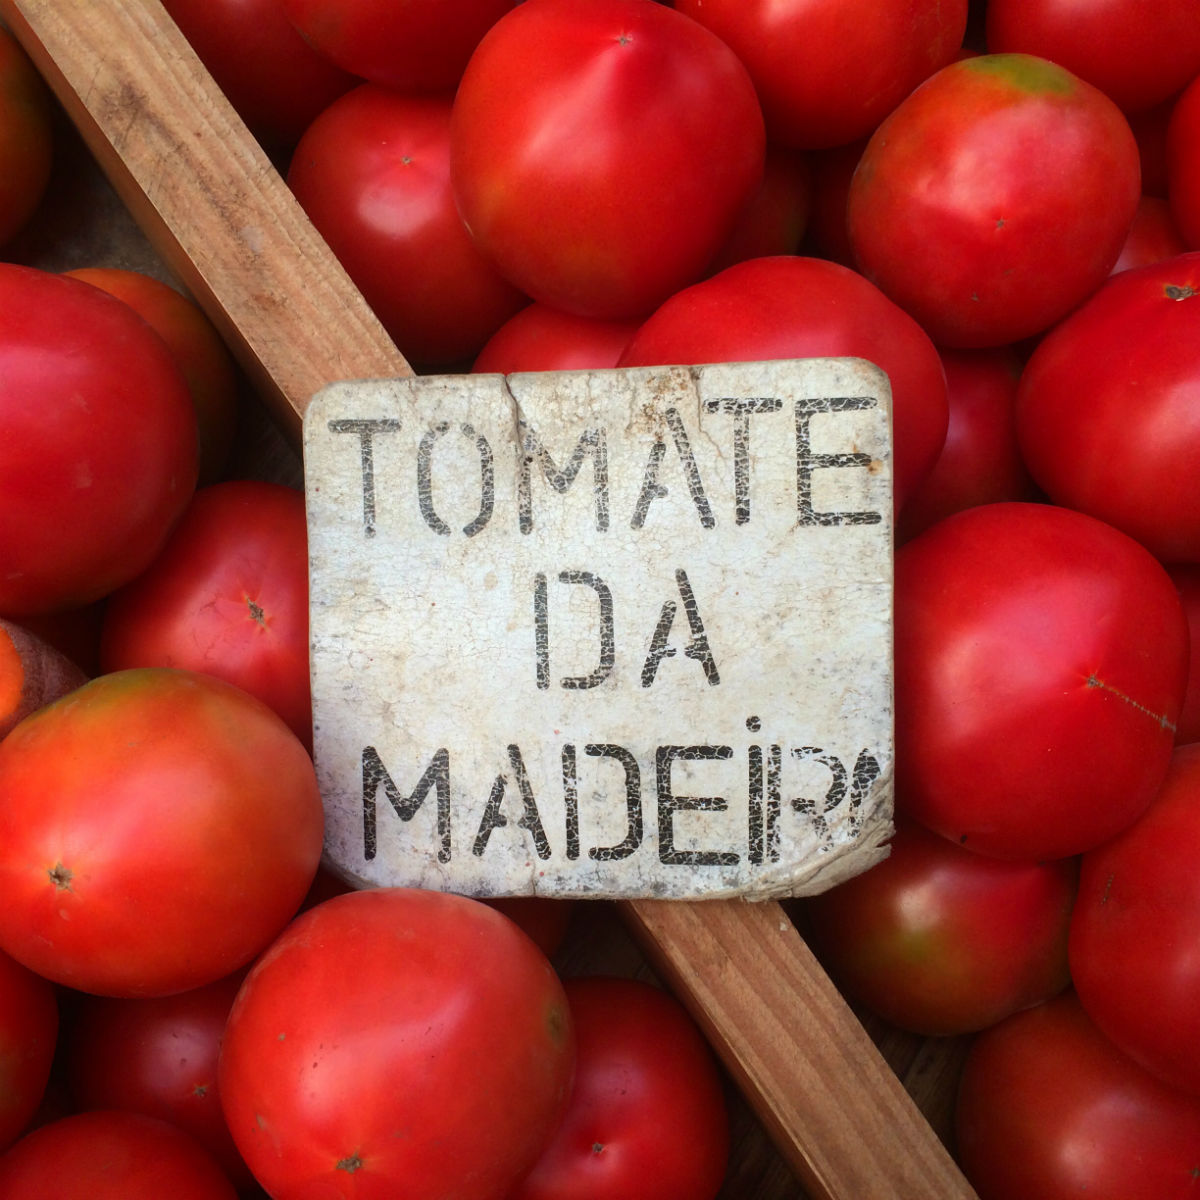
[
  {"x": 350, "y": 1164},
  {"x": 61, "y": 877}
]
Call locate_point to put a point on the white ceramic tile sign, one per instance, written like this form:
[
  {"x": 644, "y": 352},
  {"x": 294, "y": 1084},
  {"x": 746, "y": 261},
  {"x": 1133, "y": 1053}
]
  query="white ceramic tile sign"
[{"x": 604, "y": 633}]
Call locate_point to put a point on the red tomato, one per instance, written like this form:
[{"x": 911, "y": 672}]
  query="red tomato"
[
  {"x": 1183, "y": 164},
  {"x": 157, "y": 829},
  {"x": 539, "y": 338},
  {"x": 26, "y": 137},
  {"x": 828, "y": 71},
  {"x": 1106, "y": 413},
  {"x": 1152, "y": 237},
  {"x": 92, "y": 476},
  {"x": 227, "y": 595},
  {"x": 980, "y": 462},
  {"x": 788, "y": 307},
  {"x": 1040, "y": 665},
  {"x": 941, "y": 941},
  {"x": 995, "y": 198},
  {"x": 274, "y": 79},
  {"x": 373, "y": 174},
  {"x": 396, "y": 1044},
  {"x": 602, "y": 150},
  {"x": 1187, "y": 580},
  {"x": 416, "y": 46},
  {"x": 1049, "y": 1109},
  {"x": 112, "y": 1156},
  {"x": 1134, "y": 931},
  {"x": 647, "y": 1111},
  {"x": 157, "y": 1057},
  {"x": 545, "y": 920},
  {"x": 200, "y": 353},
  {"x": 28, "y": 1039},
  {"x": 1137, "y": 56}
]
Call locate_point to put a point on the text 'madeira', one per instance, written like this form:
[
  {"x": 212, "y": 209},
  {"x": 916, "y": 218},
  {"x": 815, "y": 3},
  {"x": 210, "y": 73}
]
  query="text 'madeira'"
[{"x": 621, "y": 633}]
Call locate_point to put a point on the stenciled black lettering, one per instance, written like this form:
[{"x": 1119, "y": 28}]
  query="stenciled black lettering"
[
  {"x": 834, "y": 794},
  {"x": 493, "y": 813},
  {"x": 487, "y": 479},
  {"x": 591, "y": 442},
  {"x": 807, "y": 461},
  {"x": 669, "y": 804},
  {"x": 436, "y": 777},
  {"x": 541, "y": 632},
  {"x": 608, "y": 647},
  {"x": 633, "y": 803},
  {"x": 765, "y": 804},
  {"x": 652, "y": 489},
  {"x": 698, "y": 649},
  {"x": 742, "y": 409},
  {"x": 366, "y": 430}
]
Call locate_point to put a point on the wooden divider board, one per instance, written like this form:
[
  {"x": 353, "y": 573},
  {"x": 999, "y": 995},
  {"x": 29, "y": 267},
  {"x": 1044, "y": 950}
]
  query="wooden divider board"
[{"x": 220, "y": 216}]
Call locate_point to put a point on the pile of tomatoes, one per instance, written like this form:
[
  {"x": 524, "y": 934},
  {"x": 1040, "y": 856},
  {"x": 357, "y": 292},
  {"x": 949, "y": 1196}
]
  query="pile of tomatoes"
[{"x": 997, "y": 203}]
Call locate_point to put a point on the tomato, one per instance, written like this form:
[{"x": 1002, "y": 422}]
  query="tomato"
[
  {"x": 112, "y": 1156},
  {"x": 274, "y": 79},
  {"x": 544, "y": 919},
  {"x": 1153, "y": 236},
  {"x": 416, "y": 46},
  {"x": 157, "y": 1057},
  {"x": 828, "y": 71},
  {"x": 1183, "y": 164},
  {"x": 995, "y": 198},
  {"x": 1040, "y": 665},
  {"x": 941, "y": 941},
  {"x": 539, "y": 338},
  {"x": 1106, "y": 414},
  {"x": 157, "y": 829},
  {"x": 1136, "y": 56},
  {"x": 26, "y": 137},
  {"x": 1049, "y": 1109},
  {"x": 206, "y": 364},
  {"x": 1134, "y": 931},
  {"x": 792, "y": 307},
  {"x": 602, "y": 150},
  {"x": 396, "y": 1044},
  {"x": 28, "y": 1040},
  {"x": 227, "y": 595},
  {"x": 94, "y": 474},
  {"x": 1187, "y": 580},
  {"x": 980, "y": 462},
  {"x": 647, "y": 1110},
  {"x": 373, "y": 174}
]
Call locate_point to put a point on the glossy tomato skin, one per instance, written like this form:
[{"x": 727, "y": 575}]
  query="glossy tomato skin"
[
  {"x": 1183, "y": 163},
  {"x": 941, "y": 941},
  {"x": 157, "y": 829},
  {"x": 373, "y": 174},
  {"x": 828, "y": 71},
  {"x": 1040, "y": 666},
  {"x": 539, "y": 338},
  {"x": 94, "y": 474},
  {"x": 26, "y": 137},
  {"x": 388, "y": 1010},
  {"x": 995, "y": 198},
  {"x": 601, "y": 151},
  {"x": 1106, "y": 416},
  {"x": 647, "y": 1108},
  {"x": 1133, "y": 935},
  {"x": 1048, "y": 1108},
  {"x": 227, "y": 595},
  {"x": 797, "y": 307},
  {"x": 1137, "y": 56},
  {"x": 28, "y": 1040},
  {"x": 112, "y": 1155}
]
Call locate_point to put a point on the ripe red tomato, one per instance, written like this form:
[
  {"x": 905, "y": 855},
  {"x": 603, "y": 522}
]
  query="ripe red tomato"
[
  {"x": 416, "y": 46},
  {"x": 1040, "y": 665},
  {"x": 94, "y": 474},
  {"x": 1183, "y": 163},
  {"x": 647, "y": 1110},
  {"x": 26, "y": 137},
  {"x": 602, "y": 150},
  {"x": 1187, "y": 580},
  {"x": 157, "y": 829},
  {"x": 227, "y": 595},
  {"x": 828, "y": 71},
  {"x": 1137, "y": 56},
  {"x": 1106, "y": 412},
  {"x": 790, "y": 307},
  {"x": 28, "y": 1040},
  {"x": 112, "y": 1156},
  {"x": 200, "y": 353},
  {"x": 1048, "y": 1109},
  {"x": 396, "y": 1044},
  {"x": 274, "y": 79},
  {"x": 1134, "y": 931},
  {"x": 157, "y": 1057},
  {"x": 995, "y": 198},
  {"x": 373, "y": 174},
  {"x": 941, "y": 941},
  {"x": 539, "y": 338}
]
